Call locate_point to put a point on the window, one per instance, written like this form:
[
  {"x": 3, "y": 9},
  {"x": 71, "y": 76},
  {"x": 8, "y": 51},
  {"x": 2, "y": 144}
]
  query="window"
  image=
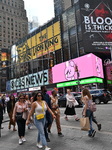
[
  {"x": 72, "y": 33},
  {"x": 45, "y": 62},
  {"x": 58, "y": 55},
  {"x": 71, "y": 17},
  {"x": 65, "y": 54},
  {"x": 65, "y": 39},
  {"x": 73, "y": 51},
  {"x": 64, "y": 21}
]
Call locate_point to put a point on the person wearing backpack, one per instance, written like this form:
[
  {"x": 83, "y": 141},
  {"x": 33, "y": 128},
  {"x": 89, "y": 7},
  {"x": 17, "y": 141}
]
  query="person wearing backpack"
[{"x": 87, "y": 111}]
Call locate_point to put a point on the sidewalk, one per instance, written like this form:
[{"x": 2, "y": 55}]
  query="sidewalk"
[{"x": 74, "y": 138}]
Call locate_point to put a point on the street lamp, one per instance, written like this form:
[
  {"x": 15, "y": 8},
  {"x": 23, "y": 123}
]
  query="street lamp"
[{"x": 78, "y": 81}]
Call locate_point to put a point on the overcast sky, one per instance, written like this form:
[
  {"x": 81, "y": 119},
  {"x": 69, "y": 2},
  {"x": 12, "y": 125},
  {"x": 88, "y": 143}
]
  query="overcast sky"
[{"x": 43, "y": 9}]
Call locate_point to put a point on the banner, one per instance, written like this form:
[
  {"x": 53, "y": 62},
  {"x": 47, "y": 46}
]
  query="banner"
[
  {"x": 31, "y": 80},
  {"x": 97, "y": 24},
  {"x": 42, "y": 43}
]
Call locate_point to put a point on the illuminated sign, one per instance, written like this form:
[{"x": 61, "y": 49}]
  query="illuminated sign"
[
  {"x": 97, "y": 24},
  {"x": 88, "y": 66},
  {"x": 109, "y": 82},
  {"x": 42, "y": 43},
  {"x": 31, "y": 80},
  {"x": 83, "y": 81}
]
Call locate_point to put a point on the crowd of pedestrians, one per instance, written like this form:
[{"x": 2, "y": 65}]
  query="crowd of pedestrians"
[{"x": 41, "y": 109}]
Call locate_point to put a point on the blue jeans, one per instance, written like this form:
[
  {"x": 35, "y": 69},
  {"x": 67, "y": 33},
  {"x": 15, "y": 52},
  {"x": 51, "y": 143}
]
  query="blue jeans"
[
  {"x": 41, "y": 134},
  {"x": 90, "y": 115}
]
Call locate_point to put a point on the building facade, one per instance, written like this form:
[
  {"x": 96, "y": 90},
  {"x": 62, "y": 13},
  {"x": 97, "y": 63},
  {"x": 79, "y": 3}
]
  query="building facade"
[
  {"x": 58, "y": 53},
  {"x": 13, "y": 26}
]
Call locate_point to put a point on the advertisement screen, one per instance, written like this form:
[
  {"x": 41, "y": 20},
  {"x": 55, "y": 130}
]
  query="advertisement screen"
[
  {"x": 88, "y": 66},
  {"x": 97, "y": 24},
  {"x": 108, "y": 69},
  {"x": 45, "y": 41}
]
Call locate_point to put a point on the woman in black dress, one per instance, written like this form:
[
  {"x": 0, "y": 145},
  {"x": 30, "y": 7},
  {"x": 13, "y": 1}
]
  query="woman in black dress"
[{"x": 70, "y": 108}]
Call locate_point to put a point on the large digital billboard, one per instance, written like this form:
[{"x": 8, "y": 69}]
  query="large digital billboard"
[
  {"x": 31, "y": 80},
  {"x": 41, "y": 43},
  {"x": 88, "y": 66},
  {"x": 96, "y": 24}
]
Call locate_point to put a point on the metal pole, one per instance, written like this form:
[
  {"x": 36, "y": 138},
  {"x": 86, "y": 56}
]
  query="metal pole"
[{"x": 111, "y": 52}]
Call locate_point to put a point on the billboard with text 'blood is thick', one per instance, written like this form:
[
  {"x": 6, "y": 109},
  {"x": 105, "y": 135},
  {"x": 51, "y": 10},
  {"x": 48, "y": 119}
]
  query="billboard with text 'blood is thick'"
[{"x": 96, "y": 24}]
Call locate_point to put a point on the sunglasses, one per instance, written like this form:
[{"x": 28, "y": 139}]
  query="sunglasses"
[
  {"x": 39, "y": 95},
  {"x": 22, "y": 98}
]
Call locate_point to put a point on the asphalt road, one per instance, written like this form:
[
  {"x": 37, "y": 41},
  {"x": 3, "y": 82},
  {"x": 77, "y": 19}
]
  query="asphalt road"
[{"x": 74, "y": 138}]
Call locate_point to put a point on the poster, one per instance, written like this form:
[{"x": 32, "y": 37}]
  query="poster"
[{"x": 97, "y": 25}]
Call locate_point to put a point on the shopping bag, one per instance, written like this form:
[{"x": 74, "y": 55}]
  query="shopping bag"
[
  {"x": 85, "y": 124},
  {"x": 76, "y": 103}
]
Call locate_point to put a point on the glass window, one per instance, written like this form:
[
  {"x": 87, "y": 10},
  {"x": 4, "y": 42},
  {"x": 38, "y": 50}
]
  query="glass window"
[
  {"x": 81, "y": 48},
  {"x": 40, "y": 64},
  {"x": 71, "y": 17},
  {"x": 74, "y": 1},
  {"x": 64, "y": 21},
  {"x": 65, "y": 39},
  {"x": 35, "y": 66},
  {"x": 72, "y": 33},
  {"x": 45, "y": 62},
  {"x": 65, "y": 54},
  {"x": 73, "y": 51},
  {"x": 58, "y": 55},
  {"x": 78, "y": 17}
]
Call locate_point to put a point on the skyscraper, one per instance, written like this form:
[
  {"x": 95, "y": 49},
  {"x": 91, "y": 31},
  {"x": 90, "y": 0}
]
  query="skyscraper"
[
  {"x": 13, "y": 22},
  {"x": 13, "y": 26},
  {"x": 62, "y": 5}
]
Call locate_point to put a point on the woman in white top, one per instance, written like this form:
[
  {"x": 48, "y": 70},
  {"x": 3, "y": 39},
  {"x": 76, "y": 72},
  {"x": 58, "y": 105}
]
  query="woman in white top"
[
  {"x": 39, "y": 107},
  {"x": 20, "y": 109},
  {"x": 87, "y": 100},
  {"x": 70, "y": 108}
]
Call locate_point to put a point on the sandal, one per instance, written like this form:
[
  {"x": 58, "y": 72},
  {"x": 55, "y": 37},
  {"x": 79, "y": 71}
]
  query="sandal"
[
  {"x": 77, "y": 119},
  {"x": 66, "y": 118}
]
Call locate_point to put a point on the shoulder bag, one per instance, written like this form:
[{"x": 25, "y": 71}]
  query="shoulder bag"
[{"x": 41, "y": 116}]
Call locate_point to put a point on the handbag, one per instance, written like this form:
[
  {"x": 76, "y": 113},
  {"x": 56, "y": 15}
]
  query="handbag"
[
  {"x": 19, "y": 116},
  {"x": 40, "y": 116},
  {"x": 25, "y": 115},
  {"x": 75, "y": 103},
  {"x": 85, "y": 124}
]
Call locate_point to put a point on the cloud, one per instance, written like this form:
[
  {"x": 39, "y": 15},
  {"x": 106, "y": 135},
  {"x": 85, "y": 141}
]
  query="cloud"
[{"x": 43, "y": 9}]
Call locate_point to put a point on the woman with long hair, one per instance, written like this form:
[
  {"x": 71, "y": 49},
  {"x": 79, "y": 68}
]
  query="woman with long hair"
[
  {"x": 39, "y": 108},
  {"x": 19, "y": 114},
  {"x": 10, "y": 108},
  {"x": 87, "y": 100}
]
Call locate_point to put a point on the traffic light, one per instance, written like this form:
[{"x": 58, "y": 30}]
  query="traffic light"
[{"x": 51, "y": 63}]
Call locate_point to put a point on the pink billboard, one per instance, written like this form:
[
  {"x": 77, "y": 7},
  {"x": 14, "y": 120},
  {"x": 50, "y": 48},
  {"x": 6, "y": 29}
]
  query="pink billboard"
[{"x": 88, "y": 66}]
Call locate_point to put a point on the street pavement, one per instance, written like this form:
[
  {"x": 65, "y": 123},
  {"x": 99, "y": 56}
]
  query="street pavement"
[{"x": 74, "y": 138}]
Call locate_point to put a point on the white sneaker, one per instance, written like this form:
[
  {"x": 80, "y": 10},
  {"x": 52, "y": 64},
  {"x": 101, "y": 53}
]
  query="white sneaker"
[
  {"x": 23, "y": 139},
  {"x": 47, "y": 148},
  {"x": 20, "y": 141},
  {"x": 39, "y": 145}
]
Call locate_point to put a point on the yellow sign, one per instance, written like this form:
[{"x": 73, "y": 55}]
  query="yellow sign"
[{"x": 42, "y": 43}]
